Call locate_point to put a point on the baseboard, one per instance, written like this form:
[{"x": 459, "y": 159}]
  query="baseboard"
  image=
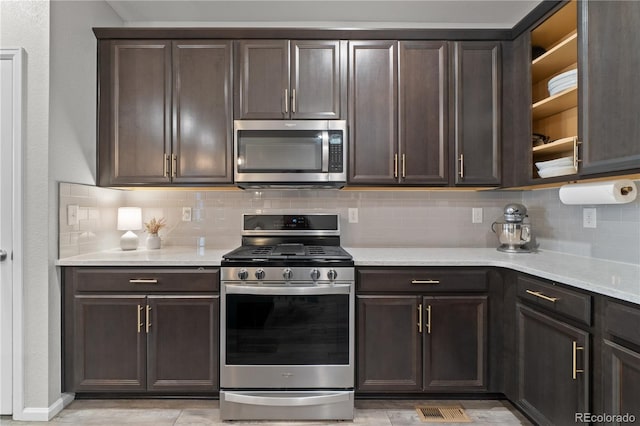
[{"x": 33, "y": 414}]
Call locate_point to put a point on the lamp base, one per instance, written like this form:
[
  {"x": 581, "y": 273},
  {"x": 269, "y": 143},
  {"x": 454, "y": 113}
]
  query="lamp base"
[{"x": 129, "y": 241}]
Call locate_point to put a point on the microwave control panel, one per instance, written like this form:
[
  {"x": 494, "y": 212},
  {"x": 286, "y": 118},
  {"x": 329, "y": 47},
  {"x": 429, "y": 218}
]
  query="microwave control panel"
[{"x": 336, "y": 153}]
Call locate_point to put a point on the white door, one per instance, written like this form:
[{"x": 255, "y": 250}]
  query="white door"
[{"x": 10, "y": 146}]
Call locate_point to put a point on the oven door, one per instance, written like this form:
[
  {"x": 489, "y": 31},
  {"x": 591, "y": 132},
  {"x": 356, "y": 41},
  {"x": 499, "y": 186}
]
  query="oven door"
[{"x": 287, "y": 336}]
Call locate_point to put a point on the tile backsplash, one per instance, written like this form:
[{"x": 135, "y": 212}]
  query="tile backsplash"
[{"x": 386, "y": 218}]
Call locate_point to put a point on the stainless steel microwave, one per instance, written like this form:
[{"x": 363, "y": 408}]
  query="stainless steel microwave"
[{"x": 290, "y": 153}]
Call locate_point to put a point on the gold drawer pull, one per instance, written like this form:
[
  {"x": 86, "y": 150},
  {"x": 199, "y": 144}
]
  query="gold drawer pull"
[
  {"x": 576, "y": 348},
  {"x": 428, "y": 319},
  {"x": 143, "y": 281},
  {"x": 425, "y": 281},
  {"x": 542, "y": 296},
  {"x": 420, "y": 318}
]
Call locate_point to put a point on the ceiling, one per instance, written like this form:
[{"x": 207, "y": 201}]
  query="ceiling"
[{"x": 461, "y": 14}]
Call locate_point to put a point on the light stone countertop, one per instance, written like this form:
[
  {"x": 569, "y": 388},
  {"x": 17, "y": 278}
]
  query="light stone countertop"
[{"x": 615, "y": 279}]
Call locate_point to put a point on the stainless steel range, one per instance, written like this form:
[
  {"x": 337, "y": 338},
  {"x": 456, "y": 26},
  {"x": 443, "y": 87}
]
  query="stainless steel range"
[{"x": 287, "y": 321}]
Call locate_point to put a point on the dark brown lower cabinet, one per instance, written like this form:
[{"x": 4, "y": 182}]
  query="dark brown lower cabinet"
[
  {"x": 553, "y": 368},
  {"x": 421, "y": 343},
  {"x": 621, "y": 380},
  {"x": 141, "y": 330}
]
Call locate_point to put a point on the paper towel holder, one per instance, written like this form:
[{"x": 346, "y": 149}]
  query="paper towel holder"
[{"x": 619, "y": 191}]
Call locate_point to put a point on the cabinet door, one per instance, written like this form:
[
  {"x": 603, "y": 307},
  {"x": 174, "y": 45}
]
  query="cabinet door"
[
  {"x": 109, "y": 351},
  {"x": 423, "y": 112},
  {"x": 455, "y": 343},
  {"x": 609, "y": 60},
  {"x": 553, "y": 368},
  {"x": 140, "y": 120},
  {"x": 262, "y": 80},
  {"x": 477, "y": 113},
  {"x": 315, "y": 79},
  {"x": 388, "y": 344},
  {"x": 183, "y": 343},
  {"x": 373, "y": 122},
  {"x": 202, "y": 112},
  {"x": 621, "y": 380}
]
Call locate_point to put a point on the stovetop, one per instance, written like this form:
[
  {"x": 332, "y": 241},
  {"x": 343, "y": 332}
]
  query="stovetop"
[
  {"x": 288, "y": 253},
  {"x": 289, "y": 240}
]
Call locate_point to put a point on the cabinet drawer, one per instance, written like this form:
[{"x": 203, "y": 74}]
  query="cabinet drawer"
[
  {"x": 147, "y": 280},
  {"x": 622, "y": 321},
  {"x": 553, "y": 297},
  {"x": 421, "y": 280}
]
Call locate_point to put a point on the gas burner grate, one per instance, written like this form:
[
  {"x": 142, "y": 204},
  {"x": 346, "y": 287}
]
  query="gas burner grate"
[
  {"x": 262, "y": 250},
  {"x": 317, "y": 251}
]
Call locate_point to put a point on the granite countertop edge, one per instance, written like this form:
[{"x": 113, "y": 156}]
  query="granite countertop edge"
[{"x": 614, "y": 279}]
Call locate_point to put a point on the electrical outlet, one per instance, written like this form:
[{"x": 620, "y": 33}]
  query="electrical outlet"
[
  {"x": 589, "y": 217},
  {"x": 72, "y": 214},
  {"x": 476, "y": 215},
  {"x": 353, "y": 215},
  {"x": 186, "y": 214}
]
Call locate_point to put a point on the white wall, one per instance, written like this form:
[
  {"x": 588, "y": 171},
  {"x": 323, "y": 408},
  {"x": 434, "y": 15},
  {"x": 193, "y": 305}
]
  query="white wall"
[
  {"x": 60, "y": 132},
  {"x": 26, "y": 24}
]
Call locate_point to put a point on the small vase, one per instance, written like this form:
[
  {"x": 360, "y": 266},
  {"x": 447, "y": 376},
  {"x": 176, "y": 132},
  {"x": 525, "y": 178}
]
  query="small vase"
[{"x": 153, "y": 242}]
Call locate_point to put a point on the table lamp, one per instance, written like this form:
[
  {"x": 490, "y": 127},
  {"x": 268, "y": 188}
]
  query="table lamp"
[{"x": 129, "y": 219}]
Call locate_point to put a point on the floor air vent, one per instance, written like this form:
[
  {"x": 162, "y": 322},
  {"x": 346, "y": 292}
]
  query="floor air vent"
[{"x": 442, "y": 414}]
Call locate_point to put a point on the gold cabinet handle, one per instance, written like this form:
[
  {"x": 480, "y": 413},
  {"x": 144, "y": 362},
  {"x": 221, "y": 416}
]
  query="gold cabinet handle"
[
  {"x": 174, "y": 165},
  {"x": 428, "y": 319},
  {"x": 293, "y": 100},
  {"x": 165, "y": 167},
  {"x": 425, "y": 281},
  {"x": 395, "y": 165},
  {"x": 576, "y": 348},
  {"x": 148, "y": 318},
  {"x": 143, "y": 281},
  {"x": 404, "y": 168},
  {"x": 139, "y": 319},
  {"x": 461, "y": 171},
  {"x": 286, "y": 100},
  {"x": 420, "y": 318},
  {"x": 542, "y": 296}
]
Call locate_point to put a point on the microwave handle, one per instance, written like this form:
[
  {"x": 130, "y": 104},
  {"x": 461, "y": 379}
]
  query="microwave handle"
[{"x": 325, "y": 151}]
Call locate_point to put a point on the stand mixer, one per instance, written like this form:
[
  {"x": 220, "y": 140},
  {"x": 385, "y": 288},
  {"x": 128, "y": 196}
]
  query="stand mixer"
[{"x": 513, "y": 230}]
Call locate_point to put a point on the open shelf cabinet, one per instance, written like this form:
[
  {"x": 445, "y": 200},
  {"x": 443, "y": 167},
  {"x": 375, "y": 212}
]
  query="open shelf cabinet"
[{"x": 555, "y": 116}]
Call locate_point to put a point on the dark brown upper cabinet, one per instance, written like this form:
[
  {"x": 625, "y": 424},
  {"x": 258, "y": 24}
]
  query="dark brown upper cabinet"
[
  {"x": 164, "y": 112},
  {"x": 282, "y": 79},
  {"x": 477, "y": 113},
  {"x": 398, "y": 102},
  {"x": 591, "y": 122},
  {"x": 609, "y": 95}
]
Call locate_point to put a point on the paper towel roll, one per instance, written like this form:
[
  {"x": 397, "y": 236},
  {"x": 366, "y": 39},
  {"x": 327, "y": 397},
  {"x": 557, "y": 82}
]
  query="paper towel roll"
[{"x": 611, "y": 192}]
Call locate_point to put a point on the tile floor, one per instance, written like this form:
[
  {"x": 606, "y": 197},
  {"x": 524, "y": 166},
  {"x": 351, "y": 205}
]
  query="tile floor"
[{"x": 158, "y": 412}]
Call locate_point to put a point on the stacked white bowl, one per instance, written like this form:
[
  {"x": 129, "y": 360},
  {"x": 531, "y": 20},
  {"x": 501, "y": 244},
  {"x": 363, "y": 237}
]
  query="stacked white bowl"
[
  {"x": 557, "y": 167},
  {"x": 563, "y": 81}
]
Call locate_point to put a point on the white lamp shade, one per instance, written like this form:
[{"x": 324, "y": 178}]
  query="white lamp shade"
[{"x": 129, "y": 218}]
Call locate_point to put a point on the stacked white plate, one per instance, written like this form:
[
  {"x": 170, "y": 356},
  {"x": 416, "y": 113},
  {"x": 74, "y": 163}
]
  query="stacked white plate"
[
  {"x": 558, "y": 167},
  {"x": 563, "y": 82}
]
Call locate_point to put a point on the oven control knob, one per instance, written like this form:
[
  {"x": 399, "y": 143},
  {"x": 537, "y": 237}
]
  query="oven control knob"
[
  {"x": 332, "y": 275},
  {"x": 287, "y": 274},
  {"x": 260, "y": 274},
  {"x": 243, "y": 274},
  {"x": 315, "y": 274}
]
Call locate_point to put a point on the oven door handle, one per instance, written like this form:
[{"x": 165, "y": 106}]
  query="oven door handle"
[
  {"x": 288, "y": 401},
  {"x": 287, "y": 290}
]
